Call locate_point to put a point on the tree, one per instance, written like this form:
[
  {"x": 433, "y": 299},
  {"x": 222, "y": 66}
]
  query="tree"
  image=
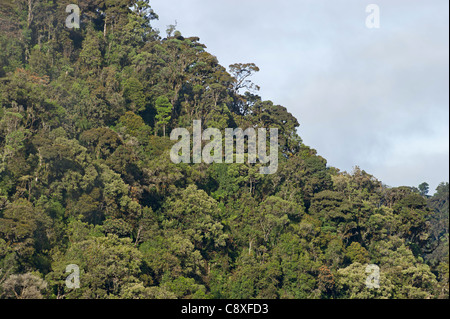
[
  {"x": 91, "y": 55},
  {"x": 298, "y": 268},
  {"x": 23, "y": 286},
  {"x": 356, "y": 253},
  {"x": 424, "y": 189},
  {"x": 163, "y": 109},
  {"x": 241, "y": 72},
  {"x": 197, "y": 214},
  {"x": 18, "y": 226},
  {"x": 143, "y": 9},
  {"x": 274, "y": 214},
  {"x": 85, "y": 179},
  {"x": 170, "y": 255},
  {"x": 108, "y": 266},
  {"x": 402, "y": 276},
  {"x": 133, "y": 91}
]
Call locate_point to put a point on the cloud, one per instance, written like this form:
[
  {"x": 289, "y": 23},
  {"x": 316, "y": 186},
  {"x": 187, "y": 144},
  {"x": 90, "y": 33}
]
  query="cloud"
[{"x": 377, "y": 98}]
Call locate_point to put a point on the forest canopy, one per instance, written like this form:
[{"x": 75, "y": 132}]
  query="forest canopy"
[{"x": 86, "y": 177}]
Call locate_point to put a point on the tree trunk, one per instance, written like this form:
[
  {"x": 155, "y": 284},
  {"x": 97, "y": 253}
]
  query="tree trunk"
[
  {"x": 104, "y": 27},
  {"x": 30, "y": 13}
]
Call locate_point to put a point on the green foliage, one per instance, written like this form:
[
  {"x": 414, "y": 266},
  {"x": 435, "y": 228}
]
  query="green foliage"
[
  {"x": 86, "y": 177},
  {"x": 163, "y": 110},
  {"x": 133, "y": 92},
  {"x": 109, "y": 266}
]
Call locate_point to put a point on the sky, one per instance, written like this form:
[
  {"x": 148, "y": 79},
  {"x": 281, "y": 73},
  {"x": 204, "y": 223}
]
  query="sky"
[{"x": 376, "y": 98}]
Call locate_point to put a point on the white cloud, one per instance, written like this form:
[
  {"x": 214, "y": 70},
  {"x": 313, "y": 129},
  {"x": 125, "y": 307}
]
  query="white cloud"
[{"x": 377, "y": 98}]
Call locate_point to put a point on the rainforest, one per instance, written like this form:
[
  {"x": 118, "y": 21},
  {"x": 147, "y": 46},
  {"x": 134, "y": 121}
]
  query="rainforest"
[{"x": 86, "y": 177}]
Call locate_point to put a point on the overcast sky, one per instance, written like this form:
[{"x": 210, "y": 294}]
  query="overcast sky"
[{"x": 377, "y": 98}]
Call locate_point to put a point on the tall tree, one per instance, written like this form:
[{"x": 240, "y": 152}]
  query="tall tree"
[
  {"x": 424, "y": 188},
  {"x": 163, "y": 110}
]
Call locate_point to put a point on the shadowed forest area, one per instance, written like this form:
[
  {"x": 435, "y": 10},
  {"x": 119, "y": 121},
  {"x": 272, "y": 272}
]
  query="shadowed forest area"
[{"x": 86, "y": 177}]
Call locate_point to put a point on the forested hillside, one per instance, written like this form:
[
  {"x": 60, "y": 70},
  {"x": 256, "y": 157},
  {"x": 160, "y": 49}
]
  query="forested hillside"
[{"x": 86, "y": 177}]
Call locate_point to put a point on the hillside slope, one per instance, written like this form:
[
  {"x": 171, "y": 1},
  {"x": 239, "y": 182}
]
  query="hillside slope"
[{"x": 86, "y": 177}]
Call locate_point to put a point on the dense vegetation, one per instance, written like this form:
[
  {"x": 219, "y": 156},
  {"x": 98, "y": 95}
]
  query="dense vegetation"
[{"x": 86, "y": 177}]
